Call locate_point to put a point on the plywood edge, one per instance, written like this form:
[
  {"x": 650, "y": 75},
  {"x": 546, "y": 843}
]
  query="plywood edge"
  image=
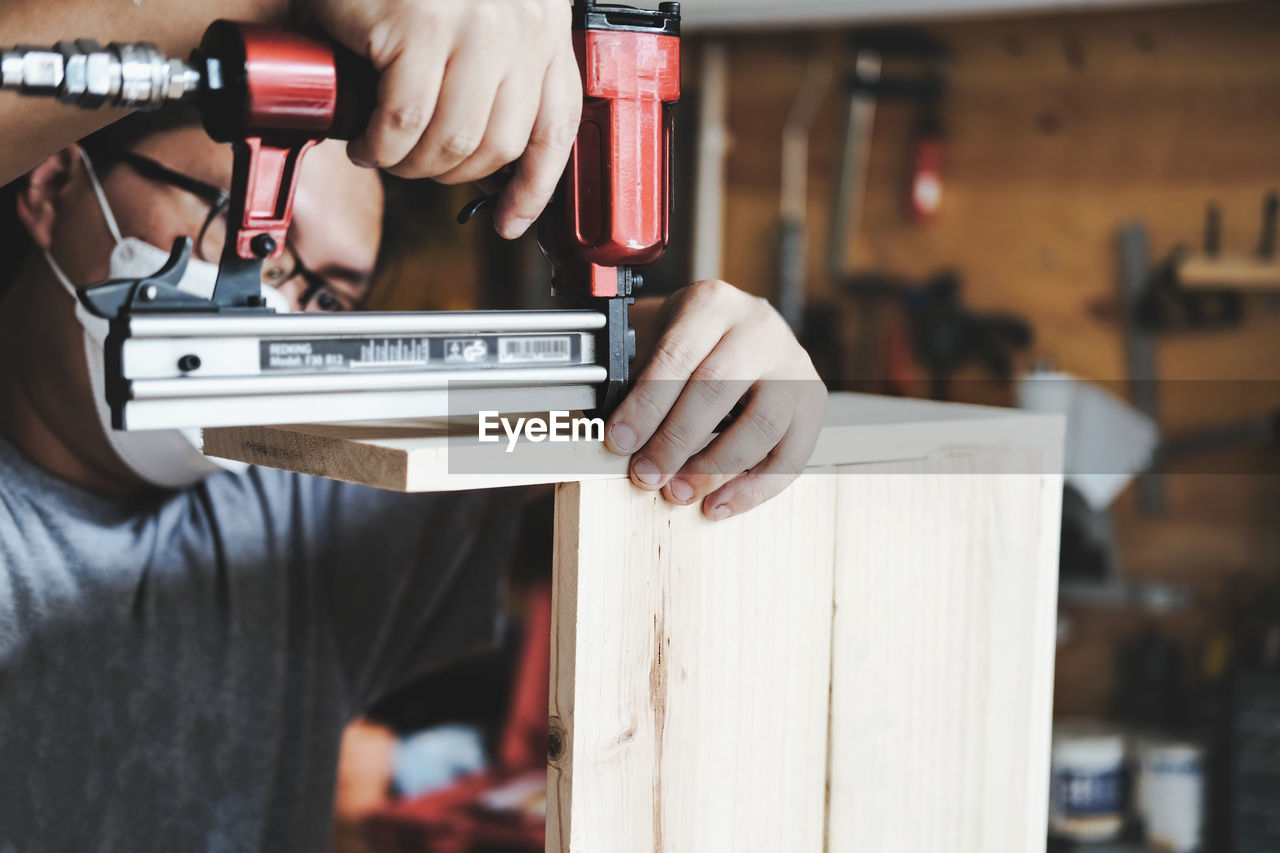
[
  {"x": 1039, "y": 750},
  {"x": 564, "y": 630},
  {"x": 306, "y": 452}
]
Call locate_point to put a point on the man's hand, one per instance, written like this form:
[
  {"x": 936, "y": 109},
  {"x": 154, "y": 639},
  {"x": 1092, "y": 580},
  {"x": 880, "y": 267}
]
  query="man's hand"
[
  {"x": 466, "y": 87},
  {"x": 719, "y": 346}
]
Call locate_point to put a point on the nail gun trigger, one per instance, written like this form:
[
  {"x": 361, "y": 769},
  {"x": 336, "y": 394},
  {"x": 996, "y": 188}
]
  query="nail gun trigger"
[
  {"x": 492, "y": 186},
  {"x": 475, "y": 206}
]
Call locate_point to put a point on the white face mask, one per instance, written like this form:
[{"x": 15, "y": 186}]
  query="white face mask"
[{"x": 167, "y": 458}]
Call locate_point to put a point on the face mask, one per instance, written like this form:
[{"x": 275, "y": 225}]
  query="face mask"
[{"x": 166, "y": 458}]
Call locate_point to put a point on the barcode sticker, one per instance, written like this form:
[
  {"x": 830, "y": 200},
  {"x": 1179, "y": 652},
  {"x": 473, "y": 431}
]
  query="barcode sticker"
[{"x": 541, "y": 349}]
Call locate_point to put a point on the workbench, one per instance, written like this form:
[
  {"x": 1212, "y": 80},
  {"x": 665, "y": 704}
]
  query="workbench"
[{"x": 864, "y": 663}]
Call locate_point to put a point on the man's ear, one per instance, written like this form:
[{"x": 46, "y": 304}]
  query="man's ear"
[{"x": 40, "y": 201}]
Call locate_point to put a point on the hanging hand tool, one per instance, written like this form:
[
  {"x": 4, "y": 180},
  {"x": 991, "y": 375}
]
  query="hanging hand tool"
[
  {"x": 866, "y": 85},
  {"x": 177, "y": 360},
  {"x": 945, "y": 334},
  {"x": 793, "y": 194},
  {"x": 877, "y": 74}
]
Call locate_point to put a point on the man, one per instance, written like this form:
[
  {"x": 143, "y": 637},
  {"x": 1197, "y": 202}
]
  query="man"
[{"x": 179, "y": 649}]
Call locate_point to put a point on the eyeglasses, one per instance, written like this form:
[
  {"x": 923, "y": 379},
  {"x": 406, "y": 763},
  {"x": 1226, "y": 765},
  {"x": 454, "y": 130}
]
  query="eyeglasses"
[{"x": 318, "y": 292}]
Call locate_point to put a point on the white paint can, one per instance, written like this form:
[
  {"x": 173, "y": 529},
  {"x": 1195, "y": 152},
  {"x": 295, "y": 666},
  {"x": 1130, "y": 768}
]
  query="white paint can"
[
  {"x": 1171, "y": 798},
  {"x": 1086, "y": 788}
]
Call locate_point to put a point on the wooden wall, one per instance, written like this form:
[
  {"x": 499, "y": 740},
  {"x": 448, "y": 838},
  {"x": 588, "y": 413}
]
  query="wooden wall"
[{"x": 1059, "y": 129}]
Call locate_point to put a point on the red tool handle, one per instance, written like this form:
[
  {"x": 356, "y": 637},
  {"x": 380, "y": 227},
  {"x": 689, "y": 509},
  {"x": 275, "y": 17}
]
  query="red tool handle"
[
  {"x": 612, "y": 209},
  {"x": 273, "y": 93},
  {"x": 618, "y": 184}
]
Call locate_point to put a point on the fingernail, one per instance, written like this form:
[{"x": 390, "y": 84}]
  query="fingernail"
[
  {"x": 515, "y": 227},
  {"x": 623, "y": 437},
  {"x": 720, "y": 513},
  {"x": 680, "y": 490},
  {"x": 646, "y": 472}
]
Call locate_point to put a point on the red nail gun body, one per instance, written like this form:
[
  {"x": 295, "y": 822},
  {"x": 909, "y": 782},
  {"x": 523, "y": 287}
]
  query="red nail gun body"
[
  {"x": 614, "y": 204},
  {"x": 612, "y": 211}
]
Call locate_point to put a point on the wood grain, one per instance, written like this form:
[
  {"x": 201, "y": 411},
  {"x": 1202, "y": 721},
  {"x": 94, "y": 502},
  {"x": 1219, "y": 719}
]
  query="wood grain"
[
  {"x": 690, "y": 672},
  {"x": 942, "y": 656},
  {"x": 878, "y": 639},
  {"x": 863, "y": 663},
  {"x": 409, "y": 456}
]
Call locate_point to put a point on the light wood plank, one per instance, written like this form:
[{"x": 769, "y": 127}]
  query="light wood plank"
[
  {"x": 943, "y": 650},
  {"x": 1239, "y": 272},
  {"x": 703, "y": 697},
  {"x": 422, "y": 456},
  {"x": 690, "y": 673}
]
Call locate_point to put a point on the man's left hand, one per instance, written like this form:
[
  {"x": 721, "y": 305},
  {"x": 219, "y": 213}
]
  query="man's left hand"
[{"x": 719, "y": 348}]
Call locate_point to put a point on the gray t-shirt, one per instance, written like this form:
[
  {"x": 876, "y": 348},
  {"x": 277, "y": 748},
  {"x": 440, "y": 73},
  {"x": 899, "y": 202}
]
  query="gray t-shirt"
[{"x": 175, "y": 673}]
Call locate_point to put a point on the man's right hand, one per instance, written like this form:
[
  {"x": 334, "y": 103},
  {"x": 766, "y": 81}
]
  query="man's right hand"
[{"x": 467, "y": 87}]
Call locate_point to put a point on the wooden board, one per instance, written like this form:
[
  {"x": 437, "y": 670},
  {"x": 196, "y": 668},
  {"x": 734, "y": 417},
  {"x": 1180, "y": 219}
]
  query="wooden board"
[
  {"x": 942, "y": 656},
  {"x": 865, "y": 663},
  {"x": 691, "y": 663},
  {"x": 422, "y": 456},
  {"x": 1240, "y": 272}
]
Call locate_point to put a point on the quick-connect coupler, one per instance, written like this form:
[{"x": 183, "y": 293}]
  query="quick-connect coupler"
[{"x": 83, "y": 73}]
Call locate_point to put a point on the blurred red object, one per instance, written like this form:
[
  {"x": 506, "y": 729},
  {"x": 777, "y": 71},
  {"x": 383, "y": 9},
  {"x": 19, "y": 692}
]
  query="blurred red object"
[
  {"x": 505, "y": 806},
  {"x": 926, "y": 179}
]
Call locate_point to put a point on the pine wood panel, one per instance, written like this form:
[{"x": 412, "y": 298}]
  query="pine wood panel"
[
  {"x": 942, "y": 683},
  {"x": 863, "y": 663},
  {"x": 690, "y": 686},
  {"x": 691, "y": 663}
]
